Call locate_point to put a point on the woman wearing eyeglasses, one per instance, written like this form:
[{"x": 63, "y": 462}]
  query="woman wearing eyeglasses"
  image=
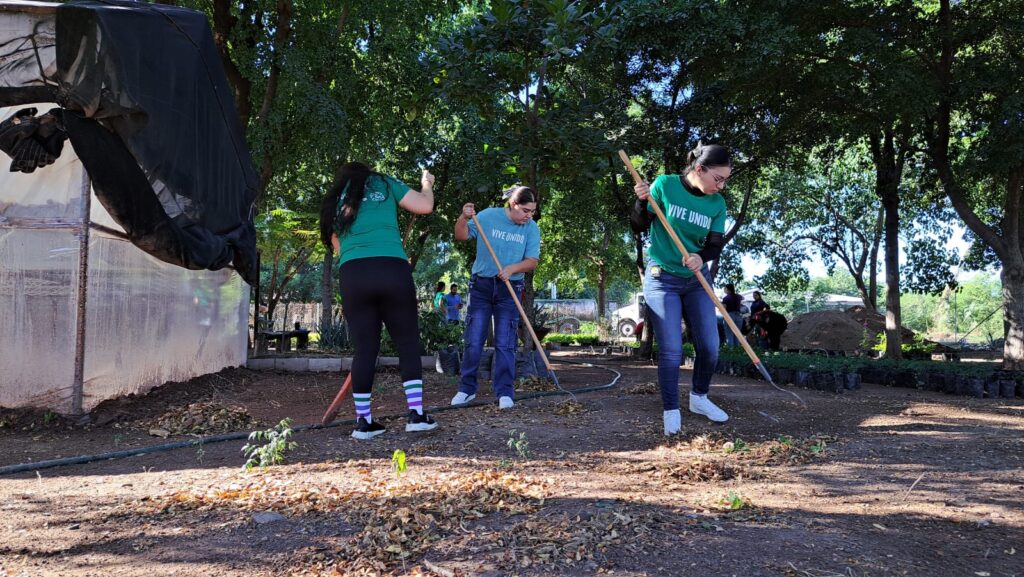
[
  {"x": 696, "y": 211},
  {"x": 515, "y": 237}
]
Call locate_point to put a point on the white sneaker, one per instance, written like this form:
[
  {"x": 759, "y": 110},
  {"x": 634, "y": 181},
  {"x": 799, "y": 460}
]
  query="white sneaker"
[
  {"x": 462, "y": 398},
  {"x": 673, "y": 422},
  {"x": 505, "y": 403},
  {"x": 702, "y": 405}
]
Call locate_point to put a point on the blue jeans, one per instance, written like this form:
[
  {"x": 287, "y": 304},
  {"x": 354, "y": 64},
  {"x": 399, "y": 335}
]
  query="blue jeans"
[
  {"x": 668, "y": 297},
  {"x": 489, "y": 297},
  {"x": 730, "y": 337}
]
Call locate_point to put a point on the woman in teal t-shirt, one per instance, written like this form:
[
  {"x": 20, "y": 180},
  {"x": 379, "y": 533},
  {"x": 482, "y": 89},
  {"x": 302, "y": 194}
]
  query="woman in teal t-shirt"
[
  {"x": 359, "y": 222},
  {"x": 696, "y": 212}
]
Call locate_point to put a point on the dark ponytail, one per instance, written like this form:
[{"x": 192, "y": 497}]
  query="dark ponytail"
[
  {"x": 520, "y": 195},
  {"x": 708, "y": 156},
  {"x": 352, "y": 175}
]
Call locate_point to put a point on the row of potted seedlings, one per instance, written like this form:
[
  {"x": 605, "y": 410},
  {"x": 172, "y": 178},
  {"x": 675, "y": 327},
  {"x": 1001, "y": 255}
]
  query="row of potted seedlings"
[{"x": 837, "y": 374}]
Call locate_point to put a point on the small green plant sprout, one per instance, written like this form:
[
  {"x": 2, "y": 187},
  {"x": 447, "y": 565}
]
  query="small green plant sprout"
[
  {"x": 520, "y": 444},
  {"x": 785, "y": 440},
  {"x": 200, "y": 451},
  {"x": 271, "y": 452},
  {"x": 737, "y": 446},
  {"x": 49, "y": 417},
  {"x": 819, "y": 447},
  {"x": 398, "y": 462},
  {"x": 733, "y": 501}
]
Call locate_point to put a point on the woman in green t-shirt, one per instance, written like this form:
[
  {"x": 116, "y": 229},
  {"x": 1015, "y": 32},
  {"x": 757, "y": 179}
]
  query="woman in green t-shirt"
[
  {"x": 696, "y": 212},
  {"x": 359, "y": 222}
]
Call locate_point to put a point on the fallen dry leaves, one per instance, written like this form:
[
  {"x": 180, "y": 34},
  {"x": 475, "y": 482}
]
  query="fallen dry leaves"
[
  {"x": 647, "y": 388},
  {"x": 571, "y": 407},
  {"x": 202, "y": 418}
]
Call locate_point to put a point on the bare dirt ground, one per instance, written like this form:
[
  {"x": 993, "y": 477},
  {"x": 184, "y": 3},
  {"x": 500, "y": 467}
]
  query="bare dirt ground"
[{"x": 880, "y": 481}]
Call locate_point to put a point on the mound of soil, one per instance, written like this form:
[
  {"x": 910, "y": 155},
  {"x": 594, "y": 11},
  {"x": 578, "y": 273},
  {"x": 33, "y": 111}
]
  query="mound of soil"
[
  {"x": 828, "y": 330},
  {"x": 854, "y": 330}
]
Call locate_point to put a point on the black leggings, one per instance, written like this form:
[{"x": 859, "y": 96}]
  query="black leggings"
[{"x": 375, "y": 290}]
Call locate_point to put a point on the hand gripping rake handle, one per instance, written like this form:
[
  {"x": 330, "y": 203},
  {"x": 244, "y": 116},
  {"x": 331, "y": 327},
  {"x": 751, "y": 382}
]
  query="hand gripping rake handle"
[{"x": 703, "y": 282}]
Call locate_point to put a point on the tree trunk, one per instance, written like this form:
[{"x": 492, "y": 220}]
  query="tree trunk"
[
  {"x": 1013, "y": 315},
  {"x": 327, "y": 289},
  {"x": 893, "y": 320},
  {"x": 223, "y": 29},
  {"x": 602, "y": 273},
  {"x": 888, "y": 171},
  {"x": 872, "y": 301}
]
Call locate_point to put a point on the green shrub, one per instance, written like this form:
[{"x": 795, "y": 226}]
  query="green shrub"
[
  {"x": 577, "y": 339},
  {"x": 437, "y": 334}
]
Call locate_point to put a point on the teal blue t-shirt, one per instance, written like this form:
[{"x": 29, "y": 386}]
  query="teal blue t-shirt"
[
  {"x": 375, "y": 229},
  {"x": 511, "y": 242}
]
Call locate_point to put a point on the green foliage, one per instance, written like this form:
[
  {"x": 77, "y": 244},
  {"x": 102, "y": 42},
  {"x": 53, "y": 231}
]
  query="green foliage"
[
  {"x": 274, "y": 445},
  {"x": 579, "y": 339},
  {"x": 520, "y": 444},
  {"x": 733, "y": 501},
  {"x": 689, "y": 351},
  {"x": 436, "y": 333},
  {"x": 333, "y": 336},
  {"x": 914, "y": 349},
  {"x": 737, "y": 446},
  {"x": 398, "y": 464}
]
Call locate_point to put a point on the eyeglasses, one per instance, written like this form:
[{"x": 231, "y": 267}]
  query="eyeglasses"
[
  {"x": 527, "y": 211},
  {"x": 717, "y": 178}
]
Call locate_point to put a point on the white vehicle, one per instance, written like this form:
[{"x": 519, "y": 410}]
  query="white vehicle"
[{"x": 625, "y": 319}]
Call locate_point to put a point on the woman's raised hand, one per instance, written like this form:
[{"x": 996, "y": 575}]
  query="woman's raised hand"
[
  {"x": 427, "y": 180},
  {"x": 642, "y": 190}
]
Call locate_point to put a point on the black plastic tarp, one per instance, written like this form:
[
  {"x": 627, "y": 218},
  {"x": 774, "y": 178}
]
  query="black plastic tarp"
[{"x": 150, "y": 114}]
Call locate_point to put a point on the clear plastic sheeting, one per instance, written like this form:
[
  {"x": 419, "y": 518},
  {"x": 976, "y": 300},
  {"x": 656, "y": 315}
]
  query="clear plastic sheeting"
[
  {"x": 149, "y": 322},
  {"x": 38, "y": 305},
  {"x": 49, "y": 195},
  {"x": 28, "y": 45}
]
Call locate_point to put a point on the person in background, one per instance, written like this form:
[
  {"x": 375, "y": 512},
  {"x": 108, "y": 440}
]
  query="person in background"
[
  {"x": 439, "y": 304},
  {"x": 733, "y": 304},
  {"x": 769, "y": 326},
  {"x": 453, "y": 304},
  {"x": 758, "y": 305}
]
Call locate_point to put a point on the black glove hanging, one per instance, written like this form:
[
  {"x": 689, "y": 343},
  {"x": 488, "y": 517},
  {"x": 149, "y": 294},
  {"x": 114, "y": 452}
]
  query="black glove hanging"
[{"x": 32, "y": 141}]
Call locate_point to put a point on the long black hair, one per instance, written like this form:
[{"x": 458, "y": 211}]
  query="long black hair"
[
  {"x": 354, "y": 176},
  {"x": 708, "y": 156}
]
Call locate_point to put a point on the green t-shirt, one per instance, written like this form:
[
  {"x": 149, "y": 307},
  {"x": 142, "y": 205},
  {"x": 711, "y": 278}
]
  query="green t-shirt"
[
  {"x": 691, "y": 216},
  {"x": 438, "y": 297},
  {"x": 375, "y": 230}
]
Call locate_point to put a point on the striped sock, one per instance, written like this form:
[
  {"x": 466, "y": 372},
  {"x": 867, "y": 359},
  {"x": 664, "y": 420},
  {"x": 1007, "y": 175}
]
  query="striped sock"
[
  {"x": 414, "y": 395},
  {"x": 362, "y": 406}
]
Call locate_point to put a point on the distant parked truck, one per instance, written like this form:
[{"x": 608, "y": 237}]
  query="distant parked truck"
[
  {"x": 625, "y": 319},
  {"x": 582, "y": 309}
]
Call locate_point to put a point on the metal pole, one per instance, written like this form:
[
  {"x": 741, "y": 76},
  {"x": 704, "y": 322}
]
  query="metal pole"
[{"x": 77, "y": 386}]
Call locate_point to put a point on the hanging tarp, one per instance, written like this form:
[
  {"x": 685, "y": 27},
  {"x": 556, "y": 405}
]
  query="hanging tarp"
[
  {"x": 152, "y": 75},
  {"x": 149, "y": 111}
]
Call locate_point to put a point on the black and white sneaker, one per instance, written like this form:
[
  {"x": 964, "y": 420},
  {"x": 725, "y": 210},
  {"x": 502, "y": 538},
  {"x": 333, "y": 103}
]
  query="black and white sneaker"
[
  {"x": 418, "y": 422},
  {"x": 366, "y": 431}
]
